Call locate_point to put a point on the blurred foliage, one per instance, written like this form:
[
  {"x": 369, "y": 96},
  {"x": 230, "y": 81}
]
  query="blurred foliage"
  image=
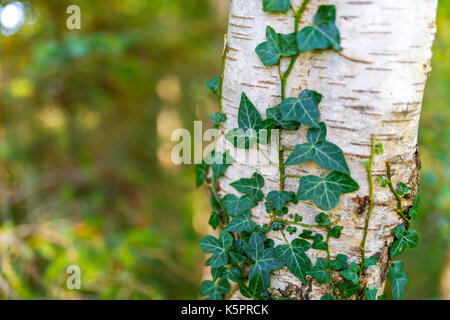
[{"x": 85, "y": 137}]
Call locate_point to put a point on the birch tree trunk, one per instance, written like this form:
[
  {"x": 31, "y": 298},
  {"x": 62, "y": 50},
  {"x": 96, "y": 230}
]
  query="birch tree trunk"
[{"x": 373, "y": 88}]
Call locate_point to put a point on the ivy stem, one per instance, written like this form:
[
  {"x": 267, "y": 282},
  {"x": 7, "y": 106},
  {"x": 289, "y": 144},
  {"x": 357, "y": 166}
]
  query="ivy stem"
[
  {"x": 291, "y": 176},
  {"x": 369, "y": 213},
  {"x": 216, "y": 196},
  {"x": 304, "y": 224},
  {"x": 329, "y": 267},
  {"x": 224, "y": 58},
  {"x": 397, "y": 196}
]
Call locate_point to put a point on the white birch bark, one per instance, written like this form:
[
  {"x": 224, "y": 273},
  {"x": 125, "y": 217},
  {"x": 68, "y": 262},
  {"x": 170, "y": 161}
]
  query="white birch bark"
[{"x": 375, "y": 90}]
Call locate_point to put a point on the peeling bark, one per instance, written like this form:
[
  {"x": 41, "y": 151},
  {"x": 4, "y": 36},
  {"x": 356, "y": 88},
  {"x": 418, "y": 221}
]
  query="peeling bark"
[{"x": 373, "y": 88}]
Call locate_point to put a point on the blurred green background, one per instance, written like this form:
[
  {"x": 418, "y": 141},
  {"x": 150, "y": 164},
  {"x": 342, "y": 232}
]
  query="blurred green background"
[{"x": 86, "y": 118}]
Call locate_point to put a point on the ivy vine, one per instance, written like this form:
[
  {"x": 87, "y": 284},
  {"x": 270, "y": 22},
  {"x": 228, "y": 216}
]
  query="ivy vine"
[{"x": 242, "y": 253}]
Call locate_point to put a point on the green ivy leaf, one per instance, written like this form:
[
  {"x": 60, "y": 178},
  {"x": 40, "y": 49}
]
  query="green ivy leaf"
[
  {"x": 320, "y": 271},
  {"x": 275, "y": 114},
  {"x": 351, "y": 275},
  {"x": 237, "y": 258},
  {"x": 291, "y": 230},
  {"x": 214, "y": 220},
  {"x": 254, "y": 289},
  {"x": 276, "y": 46},
  {"x": 348, "y": 288},
  {"x": 234, "y": 274},
  {"x": 318, "y": 242},
  {"x": 323, "y": 34},
  {"x": 214, "y": 84},
  {"x": 239, "y": 246},
  {"x": 405, "y": 239},
  {"x": 322, "y": 219},
  {"x": 398, "y": 279},
  {"x": 264, "y": 259},
  {"x": 402, "y": 189},
  {"x": 304, "y": 109},
  {"x": 327, "y": 297},
  {"x": 241, "y": 223},
  {"x": 339, "y": 263},
  {"x": 276, "y": 5},
  {"x": 371, "y": 292},
  {"x": 201, "y": 170},
  {"x": 219, "y": 162},
  {"x": 276, "y": 201},
  {"x": 235, "y": 206},
  {"x": 248, "y": 115},
  {"x": 294, "y": 257},
  {"x": 324, "y": 153},
  {"x": 414, "y": 209},
  {"x": 218, "y": 118},
  {"x": 335, "y": 232},
  {"x": 369, "y": 262},
  {"x": 216, "y": 273},
  {"x": 218, "y": 247},
  {"x": 325, "y": 192},
  {"x": 215, "y": 291},
  {"x": 277, "y": 225},
  {"x": 251, "y": 187},
  {"x": 306, "y": 234}
]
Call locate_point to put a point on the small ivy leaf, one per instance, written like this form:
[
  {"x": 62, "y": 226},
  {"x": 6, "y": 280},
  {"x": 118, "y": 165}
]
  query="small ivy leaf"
[
  {"x": 322, "y": 219},
  {"x": 301, "y": 244},
  {"x": 339, "y": 263},
  {"x": 348, "y": 288},
  {"x": 379, "y": 148},
  {"x": 304, "y": 109},
  {"x": 251, "y": 187},
  {"x": 398, "y": 279},
  {"x": 218, "y": 247},
  {"x": 326, "y": 154},
  {"x": 350, "y": 275},
  {"x": 291, "y": 230},
  {"x": 325, "y": 192},
  {"x": 405, "y": 239},
  {"x": 335, "y": 232},
  {"x": 327, "y": 297},
  {"x": 254, "y": 289},
  {"x": 240, "y": 246},
  {"x": 276, "y": 46},
  {"x": 201, "y": 170},
  {"x": 402, "y": 189},
  {"x": 216, "y": 273},
  {"x": 318, "y": 242},
  {"x": 414, "y": 209},
  {"x": 383, "y": 182},
  {"x": 215, "y": 291},
  {"x": 306, "y": 234},
  {"x": 275, "y": 114},
  {"x": 276, "y": 5},
  {"x": 269, "y": 243},
  {"x": 370, "y": 262},
  {"x": 264, "y": 130},
  {"x": 320, "y": 271},
  {"x": 248, "y": 115},
  {"x": 234, "y": 274},
  {"x": 235, "y": 206},
  {"x": 218, "y": 118},
  {"x": 295, "y": 259},
  {"x": 219, "y": 162},
  {"x": 371, "y": 292},
  {"x": 214, "y": 84},
  {"x": 241, "y": 223},
  {"x": 298, "y": 218},
  {"x": 276, "y": 201},
  {"x": 214, "y": 220},
  {"x": 323, "y": 34},
  {"x": 237, "y": 258}
]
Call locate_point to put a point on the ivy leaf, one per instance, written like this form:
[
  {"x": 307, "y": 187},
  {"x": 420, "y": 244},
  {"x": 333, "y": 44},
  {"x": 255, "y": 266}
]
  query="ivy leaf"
[
  {"x": 201, "y": 170},
  {"x": 372, "y": 261},
  {"x": 218, "y": 247},
  {"x": 275, "y": 114},
  {"x": 291, "y": 230},
  {"x": 325, "y": 192},
  {"x": 241, "y": 223},
  {"x": 318, "y": 242},
  {"x": 402, "y": 189},
  {"x": 304, "y": 109},
  {"x": 276, "y": 201},
  {"x": 398, "y": 279},
  {"x": 276, "y": 5},
  {"x": 350, "y": 275},
  {"x": 371, "y": 292},
  {"x": 220, "y": 162},
  {"x": 324, "y": 153},
  {"x": 248, "y": 115},
  {"x": 264, "y": 130},
  {"x": 254, "y": 289},
  {"x": 215, "y": 291},
  {"x": 239, "y": 246},
  {"x": 234, "y": 274},
  {"x": 216, "y": 273},
  {"x": 237, "y": 258},
  {"x": 323, "y": 34},
  {"x": 320, "y": 271},
  {"x": 218, "y": 118},
  {"x": 306, "y": 234},
  {"x": 327, "y": 297},
  {"x": 235, "y": 206},
  {"x": 405, "y": 239},
  {"x": 322, "y": 219},
  {"x": 276, "y": 46},
  {"x": 264, "y": 258},
  {"x": 214, "y": 84},
  {"x": 348, "y": 288},
  {"x": 277, "y": 225},
  {"x": 294, "y": 257},
  {"x": 214, "y": 220},
  {"x": 251, "y": 187},
  {"x": 414, "y": 209},
  {"x": 339, "y": 263},
  {"x": 335, "y": 232}
]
